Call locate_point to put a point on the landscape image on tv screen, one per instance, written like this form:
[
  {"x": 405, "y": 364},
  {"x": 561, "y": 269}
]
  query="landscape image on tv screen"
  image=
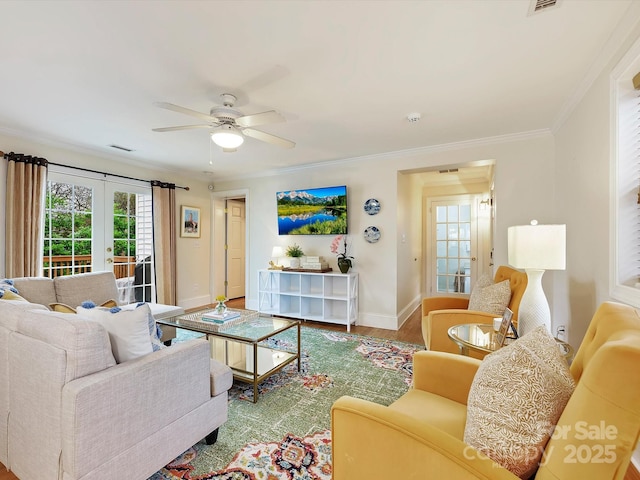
[{"x": 315, "y": 211}]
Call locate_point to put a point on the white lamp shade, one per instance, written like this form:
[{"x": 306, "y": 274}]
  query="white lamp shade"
[
  {"x": 277, "y": 252},
  {"x": 227, "y": 136},
  {"x": 541, "y": 247}
]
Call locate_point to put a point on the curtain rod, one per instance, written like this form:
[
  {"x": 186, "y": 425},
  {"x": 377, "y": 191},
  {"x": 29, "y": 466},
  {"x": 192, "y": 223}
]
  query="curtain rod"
[
  {"x": 110, "y": 174},
  {"x": 101, "y": 173}
]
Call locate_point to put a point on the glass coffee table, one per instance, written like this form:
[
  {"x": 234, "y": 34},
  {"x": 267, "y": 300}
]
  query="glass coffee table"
[{"x": 244, "y": 344}]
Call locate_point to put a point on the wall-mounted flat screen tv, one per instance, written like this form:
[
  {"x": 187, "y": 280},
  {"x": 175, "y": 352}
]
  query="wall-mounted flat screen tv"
[{"x": 314, "y": 211}]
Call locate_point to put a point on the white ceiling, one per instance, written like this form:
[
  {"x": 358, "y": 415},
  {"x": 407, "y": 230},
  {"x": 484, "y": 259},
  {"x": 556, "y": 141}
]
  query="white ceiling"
[{"x": 344, "y": 74}]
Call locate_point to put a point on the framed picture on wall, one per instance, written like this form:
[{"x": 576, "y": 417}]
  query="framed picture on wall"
[{"x": 190, "y": 222}]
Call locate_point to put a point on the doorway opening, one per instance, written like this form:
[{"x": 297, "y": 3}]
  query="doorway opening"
[
  {"x": 457, "y": 227},
  {"x": 230, "y": 243}
]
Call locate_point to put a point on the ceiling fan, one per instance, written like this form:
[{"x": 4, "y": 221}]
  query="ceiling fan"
[{"x": 229, "y": 125}]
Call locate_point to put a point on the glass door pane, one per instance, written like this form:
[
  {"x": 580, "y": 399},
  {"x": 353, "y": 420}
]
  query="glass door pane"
[
  {"x": 130, "y": 238},
  {"x": 69, "y": 225},
  {"x": 453, "y": 241}
]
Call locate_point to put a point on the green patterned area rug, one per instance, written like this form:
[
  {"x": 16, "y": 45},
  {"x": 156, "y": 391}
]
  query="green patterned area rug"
[{"x": 285, "y": 435}]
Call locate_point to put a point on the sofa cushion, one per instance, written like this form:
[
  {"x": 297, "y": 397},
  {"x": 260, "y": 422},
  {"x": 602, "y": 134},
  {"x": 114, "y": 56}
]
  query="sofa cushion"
[
  {"x": 490, "y": 297},
  {"x": 36, "y": 289},
  {"x": 517, "y": 396},
  {"x": 128, "y": 329},
  {"x": 86, "y": 343},
  {"x": 97, "y": 287}
]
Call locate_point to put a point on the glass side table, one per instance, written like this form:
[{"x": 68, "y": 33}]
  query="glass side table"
[{"x": 480, "y": 338}]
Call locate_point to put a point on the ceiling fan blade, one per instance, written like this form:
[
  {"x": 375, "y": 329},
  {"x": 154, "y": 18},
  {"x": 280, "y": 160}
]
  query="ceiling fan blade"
[
  {"x": 267, "y": 137},
  {"x": 186, "y": 111},
  {"x": 182, "y": 127},
  {"x": 260, "y": 119}
]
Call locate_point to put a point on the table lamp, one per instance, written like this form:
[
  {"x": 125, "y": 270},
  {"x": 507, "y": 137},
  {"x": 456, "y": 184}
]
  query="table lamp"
[
  {"x": 536, "y": 248},
  {"x": 276, "y": 253}
]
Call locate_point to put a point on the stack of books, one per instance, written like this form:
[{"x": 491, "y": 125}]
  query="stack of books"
[
  {"x": 220, "y": 319},
  {"x": 314, "y": 263}
]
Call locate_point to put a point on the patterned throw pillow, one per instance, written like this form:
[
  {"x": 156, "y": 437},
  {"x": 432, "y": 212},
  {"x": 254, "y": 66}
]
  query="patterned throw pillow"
[
  {"x": 515, "y": 400},
  {"x": 490, "y": 297},
  {"x": 8, "y": 291}
]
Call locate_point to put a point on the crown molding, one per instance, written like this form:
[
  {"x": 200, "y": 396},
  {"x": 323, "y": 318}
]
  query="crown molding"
[
  {"x": 464, "y": 144},
  {"x": 56, "y": 143}
]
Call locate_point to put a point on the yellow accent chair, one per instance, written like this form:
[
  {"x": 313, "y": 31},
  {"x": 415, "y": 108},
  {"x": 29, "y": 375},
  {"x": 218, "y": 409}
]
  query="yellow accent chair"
[
  {"x": 441, "y": 313},
  {"x": 420, "y": 436}
]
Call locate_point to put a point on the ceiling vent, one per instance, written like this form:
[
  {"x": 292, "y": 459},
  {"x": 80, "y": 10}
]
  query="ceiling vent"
[
  {"x": 538, "y": 6},
  {"x": 124, "y": 149}
]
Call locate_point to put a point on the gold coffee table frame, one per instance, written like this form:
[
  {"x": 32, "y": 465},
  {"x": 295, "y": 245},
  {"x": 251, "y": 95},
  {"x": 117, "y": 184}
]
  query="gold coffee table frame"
[{"x": 239, "y": 346}]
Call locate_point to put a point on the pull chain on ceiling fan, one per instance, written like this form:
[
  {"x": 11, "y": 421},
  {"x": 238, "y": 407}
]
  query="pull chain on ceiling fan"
[{"x": 228, "y": 126}]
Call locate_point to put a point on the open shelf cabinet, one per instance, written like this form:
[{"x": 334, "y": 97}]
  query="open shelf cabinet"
[{"x": 322, "y": 297}]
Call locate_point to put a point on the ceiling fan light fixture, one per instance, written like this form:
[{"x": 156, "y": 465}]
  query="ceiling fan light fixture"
[{"x": 227, "y": 136}]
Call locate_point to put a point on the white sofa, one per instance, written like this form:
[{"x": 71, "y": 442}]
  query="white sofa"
[
  {"x": 98, "y": 287},
  {"x": 68, "y": 411}
]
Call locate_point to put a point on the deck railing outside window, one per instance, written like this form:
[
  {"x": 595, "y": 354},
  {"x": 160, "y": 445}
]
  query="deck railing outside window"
[{"x": 59, "y": 265}]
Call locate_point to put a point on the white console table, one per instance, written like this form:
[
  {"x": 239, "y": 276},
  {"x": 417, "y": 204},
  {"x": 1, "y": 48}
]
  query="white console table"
[{"x": 323, "y": 297}]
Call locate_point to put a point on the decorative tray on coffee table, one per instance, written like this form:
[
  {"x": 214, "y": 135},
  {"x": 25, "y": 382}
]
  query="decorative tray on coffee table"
[{"x": 195, "y": 319}]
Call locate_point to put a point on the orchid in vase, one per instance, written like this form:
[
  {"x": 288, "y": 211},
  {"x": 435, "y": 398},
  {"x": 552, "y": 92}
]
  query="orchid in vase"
[{"x": 344, "y": 260}]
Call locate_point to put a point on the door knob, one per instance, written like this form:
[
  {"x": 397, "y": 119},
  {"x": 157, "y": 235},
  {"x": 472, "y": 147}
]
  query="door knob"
[
  {"x": 109, "y": 260},
  {"x": 473, "y": 259},
  {"x": 108, "y": 249}
]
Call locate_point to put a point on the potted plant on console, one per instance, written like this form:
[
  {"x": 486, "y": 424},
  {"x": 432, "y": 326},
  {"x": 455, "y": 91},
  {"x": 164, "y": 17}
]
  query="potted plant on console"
[{"x": 294, "y": 252}]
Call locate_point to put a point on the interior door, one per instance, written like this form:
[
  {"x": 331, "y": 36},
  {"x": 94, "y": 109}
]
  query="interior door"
[
  {"x": 453, "y": 245},
  {"x": 235, "y": 251}
]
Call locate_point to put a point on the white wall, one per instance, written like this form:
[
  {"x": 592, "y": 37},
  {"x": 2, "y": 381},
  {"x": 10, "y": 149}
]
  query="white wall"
[
  {"x": 583, "y": 177},
  {"x": 193, "y": 279},
  {"x": 390, "y": 281},
  {"x": 409, "y": 241}
]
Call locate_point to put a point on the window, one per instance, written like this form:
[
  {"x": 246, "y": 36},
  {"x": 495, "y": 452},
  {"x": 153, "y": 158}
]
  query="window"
[{"x": 625, "y": 175}]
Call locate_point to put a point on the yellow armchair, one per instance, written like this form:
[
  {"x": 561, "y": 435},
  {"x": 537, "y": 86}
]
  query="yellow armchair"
[
  {"x": 441, "y": 313},
  {"x": 421, "y": 434}
]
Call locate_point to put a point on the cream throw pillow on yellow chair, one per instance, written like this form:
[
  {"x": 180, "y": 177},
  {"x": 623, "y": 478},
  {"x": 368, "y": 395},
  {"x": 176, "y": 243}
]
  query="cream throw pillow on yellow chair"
[
  {"x": 515, "y": 400},
  {"x": 490, "y": 297}
]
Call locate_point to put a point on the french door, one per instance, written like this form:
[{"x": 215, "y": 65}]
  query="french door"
[
  {"x": 95, "y": 225},
  {"x": 452, "y": 245}
]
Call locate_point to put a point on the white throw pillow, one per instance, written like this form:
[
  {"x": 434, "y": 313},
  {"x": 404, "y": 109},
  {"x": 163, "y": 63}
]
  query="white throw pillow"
[
  {"x": 155, "y": 332},
  {"x": 515, "y": 400},
  {"x": 490, "y": 297},
  {"x": 128, "y": 329}
]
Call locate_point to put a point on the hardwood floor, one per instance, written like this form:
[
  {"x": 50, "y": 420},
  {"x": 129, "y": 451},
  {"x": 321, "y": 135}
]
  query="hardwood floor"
[{"x": 410, "y": 332}]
